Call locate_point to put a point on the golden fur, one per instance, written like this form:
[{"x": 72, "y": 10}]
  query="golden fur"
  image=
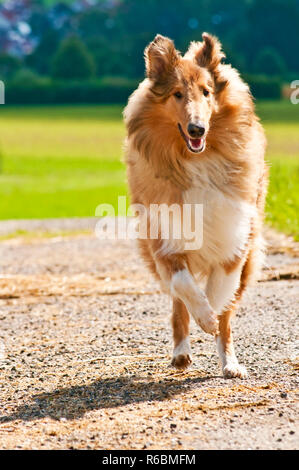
[{"x": 231, "y": 168}]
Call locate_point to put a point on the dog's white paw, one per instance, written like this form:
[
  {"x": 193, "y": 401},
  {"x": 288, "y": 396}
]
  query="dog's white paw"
[{"x": 233, "y": 370}]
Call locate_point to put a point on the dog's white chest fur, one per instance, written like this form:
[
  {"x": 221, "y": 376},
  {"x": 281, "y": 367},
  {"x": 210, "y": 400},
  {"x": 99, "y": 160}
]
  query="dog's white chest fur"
[
  {"x": 226, "y": 223},
  {"x": 227, "y": 219}
]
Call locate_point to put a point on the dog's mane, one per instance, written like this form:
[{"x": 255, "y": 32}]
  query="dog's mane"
[{"x": 153, "y": 133}]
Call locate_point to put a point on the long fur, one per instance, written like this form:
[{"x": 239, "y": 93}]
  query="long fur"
[{"x": 229, "y": 177}]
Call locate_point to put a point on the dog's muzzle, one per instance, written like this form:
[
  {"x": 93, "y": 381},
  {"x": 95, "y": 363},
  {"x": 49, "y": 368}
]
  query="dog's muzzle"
[{"x": 195, "y": 144}]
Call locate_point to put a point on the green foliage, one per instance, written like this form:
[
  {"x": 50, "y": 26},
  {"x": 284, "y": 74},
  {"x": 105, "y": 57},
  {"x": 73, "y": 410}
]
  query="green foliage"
[
  {"x": 73, "y": 61},
  {"x": 47, "y": 91},
  {"x": 258, "y": 36},
  {"x": 42, "y": 57},
  {"x": 264, "y": 87},
  {"x": 9, "y": 65},
  {"x": 268, "y": 61},
  {"x": 29, "y": 88},
  {"x": 26, "y": 77},
  {"x": 273, "y": 24}
]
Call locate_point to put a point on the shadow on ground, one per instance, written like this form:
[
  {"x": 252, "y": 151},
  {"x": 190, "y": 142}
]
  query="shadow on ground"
[{"x": 74, "y": 402}]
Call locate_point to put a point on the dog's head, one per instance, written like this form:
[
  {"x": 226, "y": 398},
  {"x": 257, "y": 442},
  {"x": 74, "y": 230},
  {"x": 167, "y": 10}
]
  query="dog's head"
[{"x": 188, "y": 87}]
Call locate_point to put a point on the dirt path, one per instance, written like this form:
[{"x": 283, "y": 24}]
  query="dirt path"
[{"x": 86, "y": 343}]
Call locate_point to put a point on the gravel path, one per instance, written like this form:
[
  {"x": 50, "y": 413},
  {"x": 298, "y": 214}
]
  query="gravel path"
[{"x": 86, "y": 344}]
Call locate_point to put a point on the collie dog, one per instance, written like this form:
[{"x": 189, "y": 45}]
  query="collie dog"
[{"x": 193, "y": 139}]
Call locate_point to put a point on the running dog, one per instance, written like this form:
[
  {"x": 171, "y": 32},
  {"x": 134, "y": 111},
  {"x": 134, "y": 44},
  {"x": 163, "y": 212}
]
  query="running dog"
[{"x": 193, "y": 138}]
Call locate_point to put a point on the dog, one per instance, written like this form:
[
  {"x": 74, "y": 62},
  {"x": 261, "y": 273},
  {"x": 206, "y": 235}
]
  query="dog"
[{"x": 193, "y": 138}]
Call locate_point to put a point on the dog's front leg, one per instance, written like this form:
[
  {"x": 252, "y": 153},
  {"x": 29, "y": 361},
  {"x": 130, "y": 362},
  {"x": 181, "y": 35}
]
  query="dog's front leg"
[
  {"x": 180, "y": 326},
  {"x": 187, "y": 297},
  {"x": 184, "y": 287},
  {"x": 223, "y": 290}
]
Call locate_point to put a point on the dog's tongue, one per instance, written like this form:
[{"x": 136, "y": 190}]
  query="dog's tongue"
[{"x": 196, "y": 143}]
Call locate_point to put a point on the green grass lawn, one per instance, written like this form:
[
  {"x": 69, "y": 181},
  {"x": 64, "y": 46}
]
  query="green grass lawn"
[
  {"x": 63, "y": 161},
  {"x": 281, "y": 122},
  {"x": 60, "y": 161}
]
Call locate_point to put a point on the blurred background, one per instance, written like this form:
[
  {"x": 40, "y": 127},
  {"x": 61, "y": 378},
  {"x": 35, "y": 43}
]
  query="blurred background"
[{"x": 69, "y": 67}]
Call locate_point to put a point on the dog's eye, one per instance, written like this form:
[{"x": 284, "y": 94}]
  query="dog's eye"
[
  {"x": 206, "y": 92},
  {"x": 178, "y": 95}
]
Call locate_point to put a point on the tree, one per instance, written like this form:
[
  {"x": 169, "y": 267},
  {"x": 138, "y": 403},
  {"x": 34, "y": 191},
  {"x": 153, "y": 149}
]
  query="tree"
[
  {"x": 40, "y": 59},
  {"x": 269, "y": 62},
  {"x": 275, "y": 24},
  {"x": 73, "y": 61},
  {"x": 9, "y": 65}
]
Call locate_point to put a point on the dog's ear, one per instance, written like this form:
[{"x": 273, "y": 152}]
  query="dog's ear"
[
  {"x": 210, "y": 53},
  {"x": 161, "y": 58}
]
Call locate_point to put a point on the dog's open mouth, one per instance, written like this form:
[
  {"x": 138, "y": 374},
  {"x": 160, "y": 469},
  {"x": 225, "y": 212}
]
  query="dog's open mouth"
[{"x": 194, "y": 145}]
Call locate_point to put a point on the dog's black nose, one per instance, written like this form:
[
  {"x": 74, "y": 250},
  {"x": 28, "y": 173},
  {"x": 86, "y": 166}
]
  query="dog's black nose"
[{"x": 196, "y": 130}]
